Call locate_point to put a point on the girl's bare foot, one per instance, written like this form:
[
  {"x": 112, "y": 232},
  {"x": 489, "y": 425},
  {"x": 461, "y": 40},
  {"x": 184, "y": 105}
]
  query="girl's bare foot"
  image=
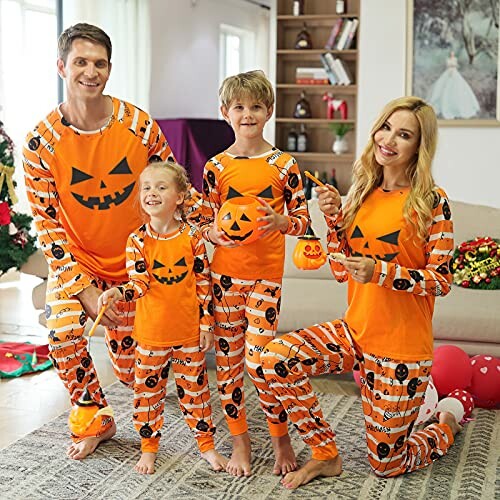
[
  {"x": 313, "y": 468},
  {"x": 87, "y": 446},
  {"x": 285, "y": 456},
  {"x": 146, "y": 464},
  {"x": 446, "y": 417},
  {"x": 215, "y": 459},
  {"x": 239, "y": 464}
]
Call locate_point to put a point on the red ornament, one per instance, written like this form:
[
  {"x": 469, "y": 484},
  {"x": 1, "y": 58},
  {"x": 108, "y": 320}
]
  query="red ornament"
[
  {"x": 465, "y": 398},
  {"x": 335, "y": 105},
  {"x": 451, "y": 369},
  {"x": 465, "y": 284},
  {"x": 485, "y": 381},
  {"x": 4, "y": 214}
]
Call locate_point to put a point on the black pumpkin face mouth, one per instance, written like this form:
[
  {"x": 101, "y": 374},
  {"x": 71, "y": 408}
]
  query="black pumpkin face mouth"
[
  {"x": 238, "y": 238},
  {"x": 170, "y": 280},
  {"x": 104, "y": 203}
]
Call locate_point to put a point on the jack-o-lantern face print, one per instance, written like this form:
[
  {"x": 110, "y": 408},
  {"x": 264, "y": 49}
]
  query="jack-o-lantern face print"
[
  {"x": 362, "y": 246},
  {"x": 175, "y": 273},
  {"x": 112, "y": 190}
]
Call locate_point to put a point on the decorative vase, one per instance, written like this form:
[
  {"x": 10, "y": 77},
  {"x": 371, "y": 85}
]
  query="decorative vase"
[{"x": 340, "y": 146}]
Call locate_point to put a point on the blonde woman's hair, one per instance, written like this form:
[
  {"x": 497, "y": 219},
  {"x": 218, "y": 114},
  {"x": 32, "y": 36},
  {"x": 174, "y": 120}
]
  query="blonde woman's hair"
[
  {"x": 253, "y": 84},
  {"x": 179, "y": 176},
  {"x": 367, "y": 173}
]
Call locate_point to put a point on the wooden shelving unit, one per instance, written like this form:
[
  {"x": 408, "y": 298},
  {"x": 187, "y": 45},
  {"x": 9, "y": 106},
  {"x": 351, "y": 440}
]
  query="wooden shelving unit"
[{"x": 319, "y": 16}]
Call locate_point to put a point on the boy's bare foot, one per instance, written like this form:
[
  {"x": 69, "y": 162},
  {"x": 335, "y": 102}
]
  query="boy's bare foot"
[
  {"x": 87, "y": 446},
  {"x": 446, "y": 417},
  {"x": 146, "y": 464},
  {"x": 285, "y": 456},
  {"x": 215, "y": 459},
  {"x": 313, "y": 468},
  {"x": 239, "y": 464}
]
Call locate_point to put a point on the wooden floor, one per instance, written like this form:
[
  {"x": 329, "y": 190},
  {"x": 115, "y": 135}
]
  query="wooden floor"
[{"x": 30, "y": 401}]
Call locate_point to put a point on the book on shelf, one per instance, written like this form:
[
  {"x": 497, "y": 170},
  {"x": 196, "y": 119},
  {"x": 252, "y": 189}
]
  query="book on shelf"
[
  {"x": 342, "y": 38},
  {"x": 334, "y": 33},
  {"x": 311, "y": 76},
  {"x": 333, "y": 79},
  {"x": 339, "y": 68},
  {"x": 350, "y": 37}
]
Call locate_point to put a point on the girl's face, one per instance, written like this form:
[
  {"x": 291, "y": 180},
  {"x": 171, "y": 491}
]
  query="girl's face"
[
  {"x": 159, "y": 195},
  {"x": 397, "y": 140}
]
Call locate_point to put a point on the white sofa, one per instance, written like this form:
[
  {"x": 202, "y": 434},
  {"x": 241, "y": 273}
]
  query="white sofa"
[
  {"x": 469, "y": 319},
  {"x": 466, "y": 318}
]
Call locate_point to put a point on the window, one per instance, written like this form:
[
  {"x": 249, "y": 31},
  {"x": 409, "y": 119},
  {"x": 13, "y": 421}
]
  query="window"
[{"x": 236, "y": 54}]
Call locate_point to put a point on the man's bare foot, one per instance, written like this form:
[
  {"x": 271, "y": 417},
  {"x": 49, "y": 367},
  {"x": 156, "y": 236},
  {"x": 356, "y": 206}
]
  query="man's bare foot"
[
  {"x": 239, "y": 464},
  {"x": 146, "y": 464},
  {"x": 285, "y": 456},
  {"x": 446, "y": 417},
  {"x": 215, "y": 459},
  {"x": 313, "y": 468},
  {"x": 78, "y": 451}
]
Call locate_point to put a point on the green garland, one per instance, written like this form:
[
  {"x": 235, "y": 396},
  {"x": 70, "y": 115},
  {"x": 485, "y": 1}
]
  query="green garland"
[{"x": 476, "y": 264}]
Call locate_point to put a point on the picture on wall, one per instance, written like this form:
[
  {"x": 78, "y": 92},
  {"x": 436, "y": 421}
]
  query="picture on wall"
[{"x": 453, "y": 59}]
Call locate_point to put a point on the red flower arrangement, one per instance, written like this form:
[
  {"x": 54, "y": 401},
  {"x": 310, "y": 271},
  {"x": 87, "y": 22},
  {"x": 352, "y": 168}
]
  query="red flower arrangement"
[{"x": 476, "y": 264}]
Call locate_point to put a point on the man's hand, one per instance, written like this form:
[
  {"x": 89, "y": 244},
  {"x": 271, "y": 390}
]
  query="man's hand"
[{"x": 89, "y": 298}]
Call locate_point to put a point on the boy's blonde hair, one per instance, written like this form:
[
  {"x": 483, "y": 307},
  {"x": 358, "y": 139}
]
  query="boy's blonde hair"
[
  {"x": 253, "y": 84},
  {"x": 179, "y": 176}
]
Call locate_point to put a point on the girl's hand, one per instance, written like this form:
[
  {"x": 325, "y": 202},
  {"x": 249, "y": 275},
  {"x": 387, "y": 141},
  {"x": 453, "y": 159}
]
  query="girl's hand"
[
  {"x": 206, "y": 341},
  {"x": 274, "y": 221},
  {"x": 216, "y": 236},
  {"x": 109, "y": 297},
  {"x": 360, "y": 268},
  {"x": 329, "y": 199}
]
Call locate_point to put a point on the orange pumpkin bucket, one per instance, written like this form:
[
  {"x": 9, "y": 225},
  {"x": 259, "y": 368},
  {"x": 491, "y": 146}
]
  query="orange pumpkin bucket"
[
  {"x": 309, "y": 253},
  {"x": 237, "y": 218}
]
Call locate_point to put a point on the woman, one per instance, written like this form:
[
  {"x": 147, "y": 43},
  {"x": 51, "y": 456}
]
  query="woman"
[{"x": 393, "y": 240}]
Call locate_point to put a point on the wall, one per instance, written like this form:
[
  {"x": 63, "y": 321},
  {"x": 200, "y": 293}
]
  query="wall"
[
  {"x": 466, "y": 164},
  {"x": 185, "y": 52}
]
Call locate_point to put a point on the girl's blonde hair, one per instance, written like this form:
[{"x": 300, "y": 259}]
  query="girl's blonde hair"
[
  {"x": 367, "y": 173},
  {"x": 252, "y": 84},
  {"x": 179, "y": 176}
]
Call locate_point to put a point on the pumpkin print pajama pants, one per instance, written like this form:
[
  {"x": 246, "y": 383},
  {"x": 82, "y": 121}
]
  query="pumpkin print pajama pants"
[
  {"x": 66, "y": 320},
  {"x": 391, "y": 390},
  {"x": 246, "y": 319},
  {"x": 152, "y": 366}
]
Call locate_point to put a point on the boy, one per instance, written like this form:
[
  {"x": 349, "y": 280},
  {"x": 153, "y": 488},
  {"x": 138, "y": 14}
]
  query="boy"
[{"x": 246, "y": 279}]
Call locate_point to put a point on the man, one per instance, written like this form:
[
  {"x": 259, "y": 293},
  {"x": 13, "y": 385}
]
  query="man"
[{"x": 81, "y": 167}]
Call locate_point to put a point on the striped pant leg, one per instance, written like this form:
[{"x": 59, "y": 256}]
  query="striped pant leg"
[
  {"x": 229, "y": 334},
  {"x": 290, "y": 360},
  {"x": 152, "y": 364},
  {"x": 392, "y": 393},
  {"x": 66, "y": 320},
  {"x": 262, "y": 306},
  {"x": 190, "y": 372}
]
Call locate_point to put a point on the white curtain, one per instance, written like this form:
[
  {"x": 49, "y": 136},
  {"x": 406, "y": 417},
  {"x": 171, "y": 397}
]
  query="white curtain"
[{"x": 127, "y": 22}]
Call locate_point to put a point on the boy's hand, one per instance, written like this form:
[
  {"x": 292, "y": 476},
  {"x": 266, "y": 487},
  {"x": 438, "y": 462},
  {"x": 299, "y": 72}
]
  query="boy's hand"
[
  {"x": 216, "y": 236},
  {"x": 329, "y": 199},
  {"x": 206, "y": 341},
  {"x": 274, "y": 221},
  {"x": 109, "y": 297}
]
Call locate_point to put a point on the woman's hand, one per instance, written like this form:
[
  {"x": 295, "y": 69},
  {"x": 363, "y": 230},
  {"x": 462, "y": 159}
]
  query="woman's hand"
[
  {"x": 329, "y": 199},
  {"x": 273, "y": 220},
  {"x": 360, "y": 268}
]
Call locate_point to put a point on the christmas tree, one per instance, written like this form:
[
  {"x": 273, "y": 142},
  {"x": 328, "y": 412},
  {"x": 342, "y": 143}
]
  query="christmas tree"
[{"x": 16, "y": 244}]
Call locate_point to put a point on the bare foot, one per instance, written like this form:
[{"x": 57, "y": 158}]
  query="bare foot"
[
  {"x": 215, "y": 459},
  {"x": 285, "y": 456},
  {"x": 313, "y": 468},
  {"x": 146, "y": 464},
  {"x": 78, "y": 451},
  {"x": 239, "y": 464},
  {"x": 446, "y": 417}
]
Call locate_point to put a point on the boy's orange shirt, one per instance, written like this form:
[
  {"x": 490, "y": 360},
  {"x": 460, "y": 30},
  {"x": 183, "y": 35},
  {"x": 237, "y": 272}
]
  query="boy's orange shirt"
[{"x": 273, "y": 176}]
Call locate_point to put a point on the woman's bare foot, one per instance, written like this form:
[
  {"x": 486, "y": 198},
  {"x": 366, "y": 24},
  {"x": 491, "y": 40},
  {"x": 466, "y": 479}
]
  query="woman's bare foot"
[
  {"x": 239, "y": 464},
  {"x": 313, "y": 468},
  {"x": 285, "y": 456},
  {"x": 87, "y": 446},
  {"x": 215, "y": 459},
  {"x": 146, "y": 464},
  {"x": 446, "y": 417}
]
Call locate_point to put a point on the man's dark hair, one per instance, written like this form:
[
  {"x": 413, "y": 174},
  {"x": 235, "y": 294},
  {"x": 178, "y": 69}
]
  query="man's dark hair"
[{"x": 82, "y": 30}]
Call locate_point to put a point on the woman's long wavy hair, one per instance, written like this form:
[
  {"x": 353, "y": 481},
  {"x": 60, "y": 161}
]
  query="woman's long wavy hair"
[{"x": 368, "y": 174}]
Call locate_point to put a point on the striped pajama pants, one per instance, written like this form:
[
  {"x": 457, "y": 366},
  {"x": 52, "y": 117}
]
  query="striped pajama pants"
[{"x": 391, "y": 390}]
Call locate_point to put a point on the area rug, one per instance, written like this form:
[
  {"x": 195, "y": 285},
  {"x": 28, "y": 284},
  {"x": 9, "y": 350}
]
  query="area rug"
[{"x": 35, "y": 467}]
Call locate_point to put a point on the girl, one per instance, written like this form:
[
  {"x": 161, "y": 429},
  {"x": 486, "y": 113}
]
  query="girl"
[
  {"x": 169, "y": 273},
  {"x": 396, "y": 235}
]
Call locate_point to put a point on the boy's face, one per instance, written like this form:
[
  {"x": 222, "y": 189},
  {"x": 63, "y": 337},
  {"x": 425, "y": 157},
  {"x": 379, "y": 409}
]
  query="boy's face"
[{"x": 247, "y": 117}]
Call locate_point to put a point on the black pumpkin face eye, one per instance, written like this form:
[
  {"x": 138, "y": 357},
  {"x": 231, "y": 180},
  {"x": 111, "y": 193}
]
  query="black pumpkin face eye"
[
  {"x": 121, "y": 168},
  {"x": 244, "y": 218},
  {"x": 181, "y": 262}
]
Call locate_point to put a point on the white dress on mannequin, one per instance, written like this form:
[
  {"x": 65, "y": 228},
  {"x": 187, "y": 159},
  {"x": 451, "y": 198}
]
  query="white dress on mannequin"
[{"x": 451, "y": 95}]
